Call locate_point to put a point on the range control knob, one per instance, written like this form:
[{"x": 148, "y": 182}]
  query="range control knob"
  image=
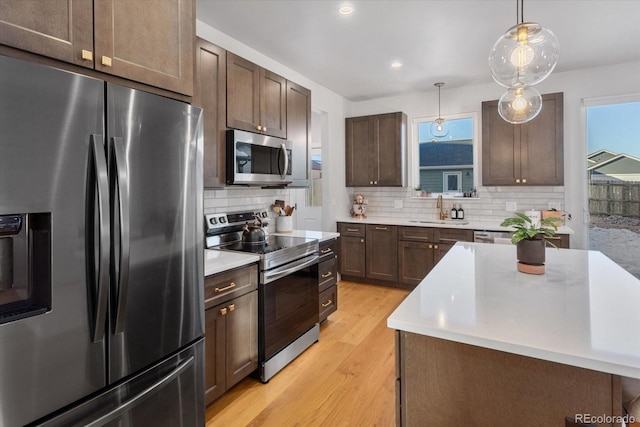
[
  {"x": 223, "y": 220},
  {"x": 213, "y": 221}
]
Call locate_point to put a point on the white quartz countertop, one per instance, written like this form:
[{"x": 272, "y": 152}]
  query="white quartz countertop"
[
  {"x": 584, "y": 311},
  {"x": 218, "y": 261},
  {"x": 319, "y": 235},
  {"x": 450, "y": 223}
]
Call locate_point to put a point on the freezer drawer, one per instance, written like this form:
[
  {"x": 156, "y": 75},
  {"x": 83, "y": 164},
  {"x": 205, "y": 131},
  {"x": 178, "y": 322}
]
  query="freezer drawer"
[{"x": 169, "y": 394}]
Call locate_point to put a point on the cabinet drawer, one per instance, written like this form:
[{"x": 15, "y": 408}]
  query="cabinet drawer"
[
  {"x": 327, "y": 271},
  {"x": 349, "y": 229},
  {"x": 452, "y": 235},
  {"x": 416, "y": 234},
  {"x": 229, "y": 284},
  {"x": 560, "y": 240},
  {"x": 328, "y": 302},
  {"x": 327, "y": 249}
]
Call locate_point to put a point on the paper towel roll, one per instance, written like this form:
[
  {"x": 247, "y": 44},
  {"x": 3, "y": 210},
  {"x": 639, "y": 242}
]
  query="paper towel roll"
[{"x": 535, "y": 217}]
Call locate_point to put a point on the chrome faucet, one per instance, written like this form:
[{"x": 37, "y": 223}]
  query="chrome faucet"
[{"x": 440, "y": 205}]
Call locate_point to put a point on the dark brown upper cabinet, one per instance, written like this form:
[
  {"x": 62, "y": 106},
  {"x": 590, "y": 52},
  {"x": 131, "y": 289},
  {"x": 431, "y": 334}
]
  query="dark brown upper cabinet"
[
  {"x": 527, "y": 154},
  {"x": 299, "y": 132},
  {"x": 376, "y": 150},
  {"x": 129, "y": 39},
  {"x": 256, "y": 98},
  {"x": 210, "y": 93}
]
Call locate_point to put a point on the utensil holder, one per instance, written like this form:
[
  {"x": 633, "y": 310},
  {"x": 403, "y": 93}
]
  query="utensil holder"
[{"x": 284, "y": 224}]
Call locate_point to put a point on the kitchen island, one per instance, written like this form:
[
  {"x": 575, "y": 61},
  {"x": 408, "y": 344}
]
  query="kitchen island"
[{"x": 480, "y": 343}]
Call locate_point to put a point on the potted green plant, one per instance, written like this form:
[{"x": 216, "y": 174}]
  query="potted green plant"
[{"x": 529, "y": 238}]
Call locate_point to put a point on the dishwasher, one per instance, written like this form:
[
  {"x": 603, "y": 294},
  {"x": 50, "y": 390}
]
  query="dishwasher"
[{"x": 493, "y": 237}]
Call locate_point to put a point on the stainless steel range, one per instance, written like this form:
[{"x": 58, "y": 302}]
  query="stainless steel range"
[{"x": 288, "y": 287}]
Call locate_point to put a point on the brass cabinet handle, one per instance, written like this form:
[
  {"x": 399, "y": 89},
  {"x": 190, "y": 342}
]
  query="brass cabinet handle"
[
  {"x": 226, "y": 288},
  {"x": 223, "y": 311},
  {"x": 232, "y": 307},
  {"x": 87, "y": 55},
  {"x": 325, "y": 251},
  {"x": 375, "y": 182},
  {"x": 524, "y": 180},
  {"x": 264, "y": 128},
  {"x": 325, "y": 275},
  {"x": 552, "y": 238},
  {"x": 371, "y": 182},
  {"x": 361, "y": 240},
  {"x": 352, "y": 230},
  {"x": 518, "y": 180},
  {"x": 435, "y": 246},
  {"x": 259, "y": 127},
  {"x": 382, "y": 228},
  {"x": 430, "y": 246},
  {"x": 327, "y": 304},
  {"x": 106, "y": 61}
]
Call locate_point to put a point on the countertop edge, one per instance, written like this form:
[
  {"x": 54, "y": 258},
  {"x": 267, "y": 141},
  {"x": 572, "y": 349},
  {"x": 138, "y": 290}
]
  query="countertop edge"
[
  {"x": 321, "y": 236},
  {"x": 470, "y": 225},
  {"x": 536, "y": 353},
  {"x": 216, "y": 261}
]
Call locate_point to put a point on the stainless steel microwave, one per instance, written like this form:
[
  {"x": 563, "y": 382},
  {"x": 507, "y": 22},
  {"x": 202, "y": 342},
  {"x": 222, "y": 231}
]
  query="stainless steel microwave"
[{"x": 255, "y": 159}]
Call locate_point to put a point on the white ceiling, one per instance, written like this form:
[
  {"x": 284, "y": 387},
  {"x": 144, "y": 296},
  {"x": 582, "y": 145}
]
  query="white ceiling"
[{"x": 436, "y": 40}]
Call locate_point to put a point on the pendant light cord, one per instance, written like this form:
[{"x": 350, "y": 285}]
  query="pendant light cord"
[
  {"x": 519, "y": 12},
  {"x": 439, "y": 102}
]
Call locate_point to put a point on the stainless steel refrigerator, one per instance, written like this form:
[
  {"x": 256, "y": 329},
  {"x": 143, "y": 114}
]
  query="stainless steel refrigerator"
[{"x": 101, "y": 253}]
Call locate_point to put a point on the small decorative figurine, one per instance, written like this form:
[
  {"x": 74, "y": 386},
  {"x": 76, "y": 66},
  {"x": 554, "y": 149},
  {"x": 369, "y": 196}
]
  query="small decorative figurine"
[{"x": 359, "y": 206}]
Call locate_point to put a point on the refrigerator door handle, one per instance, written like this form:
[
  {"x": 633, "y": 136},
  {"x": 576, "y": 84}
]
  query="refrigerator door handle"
[
  {"x": 122, "y": 188},
  {"x": 101, "y": 270},
  {"x": 126, "y": 406}
]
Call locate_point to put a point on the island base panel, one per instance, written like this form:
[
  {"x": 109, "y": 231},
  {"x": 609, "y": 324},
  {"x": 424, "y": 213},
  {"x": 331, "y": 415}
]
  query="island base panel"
[{"x": 445, "y": 383}]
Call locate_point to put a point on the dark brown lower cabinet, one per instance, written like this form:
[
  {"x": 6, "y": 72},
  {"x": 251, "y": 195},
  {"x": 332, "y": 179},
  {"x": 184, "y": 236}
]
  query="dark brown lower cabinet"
[
  {"x": 352, "y": 256},
  {"x": 327, "y": 279},
  {"x": 381, "y": 251},
  {"x": 231, "y": 330},
  {"x": 415, "y": 260},
  {"x": 415, "y": 254}
]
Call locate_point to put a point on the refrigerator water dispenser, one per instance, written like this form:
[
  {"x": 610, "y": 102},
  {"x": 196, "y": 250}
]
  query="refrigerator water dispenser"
[{"x": 25, "y": 265}]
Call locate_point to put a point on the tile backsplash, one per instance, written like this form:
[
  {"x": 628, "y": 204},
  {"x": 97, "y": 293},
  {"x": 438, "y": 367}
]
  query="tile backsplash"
[
  {"x": 232, "y": 199},
  {"x": 490, "y": 205}
]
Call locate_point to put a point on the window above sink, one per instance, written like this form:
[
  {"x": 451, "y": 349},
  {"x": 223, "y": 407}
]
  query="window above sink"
[{"x": 445, "y": 164}]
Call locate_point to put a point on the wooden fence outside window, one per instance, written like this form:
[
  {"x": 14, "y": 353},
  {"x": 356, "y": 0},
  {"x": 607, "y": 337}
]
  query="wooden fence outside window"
[{"x": 614, "y": 198}]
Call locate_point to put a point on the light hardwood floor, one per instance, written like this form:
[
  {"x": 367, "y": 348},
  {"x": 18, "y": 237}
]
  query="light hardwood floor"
[{"x": 345, "y": 379}]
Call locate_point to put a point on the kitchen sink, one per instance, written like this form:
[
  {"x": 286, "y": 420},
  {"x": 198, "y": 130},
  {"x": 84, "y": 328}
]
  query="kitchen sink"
[{"x": 439, "y": 221}]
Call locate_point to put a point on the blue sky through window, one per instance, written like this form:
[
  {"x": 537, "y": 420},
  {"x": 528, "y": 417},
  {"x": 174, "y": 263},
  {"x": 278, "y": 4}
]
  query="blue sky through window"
[{"x": 614, "y": 127}]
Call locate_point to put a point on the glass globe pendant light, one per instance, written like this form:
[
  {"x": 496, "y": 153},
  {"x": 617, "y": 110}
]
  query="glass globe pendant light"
[
  {"x": 439, "y": 128},
  {"x": 520, "y": 105},
  {"x": 525, "y": 55}
]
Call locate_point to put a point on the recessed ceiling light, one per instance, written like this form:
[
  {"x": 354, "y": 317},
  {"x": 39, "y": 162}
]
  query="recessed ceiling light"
[
  {"x": 396, "y": 64},
  {"x": 345, "y": 10}
]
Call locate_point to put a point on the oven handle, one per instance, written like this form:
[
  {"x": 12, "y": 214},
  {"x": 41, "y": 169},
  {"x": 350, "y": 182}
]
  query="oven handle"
[{"x": 277, "y": 273}]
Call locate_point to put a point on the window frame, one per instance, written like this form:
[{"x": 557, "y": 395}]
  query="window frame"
[{"x": 414, "y": 150}]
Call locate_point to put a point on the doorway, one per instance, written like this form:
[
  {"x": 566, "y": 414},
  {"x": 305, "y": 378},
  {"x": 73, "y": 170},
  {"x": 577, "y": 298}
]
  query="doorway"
[
  {"x": 613, "y": 174},
  {"x": 309, "y": 200}
]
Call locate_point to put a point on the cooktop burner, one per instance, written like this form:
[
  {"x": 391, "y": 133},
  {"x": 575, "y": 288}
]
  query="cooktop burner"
[
  {"x": 225, "y": 232},
  {"x": 272, "y": 244}
]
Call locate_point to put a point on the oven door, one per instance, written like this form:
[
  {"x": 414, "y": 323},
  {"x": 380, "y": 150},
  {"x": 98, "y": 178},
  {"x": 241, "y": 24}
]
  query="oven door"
[
  {"x": 258, "y": 159},
  {"x": 288, "y": 304}
]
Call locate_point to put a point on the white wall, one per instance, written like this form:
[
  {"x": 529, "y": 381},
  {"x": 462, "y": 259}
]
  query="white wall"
[{"x": 578, "y": 85}]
